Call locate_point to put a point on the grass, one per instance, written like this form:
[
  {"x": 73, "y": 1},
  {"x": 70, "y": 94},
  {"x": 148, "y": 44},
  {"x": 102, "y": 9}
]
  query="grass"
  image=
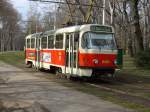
[
  {"x": 129, "y": 67},
  {"x": 147, "y": 95},
  {"x": 129, "y": 71},
  {"x": 13, "y": 58}
]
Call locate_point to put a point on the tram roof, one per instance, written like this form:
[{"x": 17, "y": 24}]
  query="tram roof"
[
  {"x": 63, "y": 30},
  {"x": 34, "y": 35},
  {"x": 78, "y": 28},
  {"x": 50, "y": 32},
  {"x": 70, "y": 29}
]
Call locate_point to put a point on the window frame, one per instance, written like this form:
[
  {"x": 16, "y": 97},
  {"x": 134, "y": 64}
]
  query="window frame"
[
  {"x": 86, "y": 47},
  {"x": 46, "y": 42},
  {"x": 32, "y": 47},
  {"x": 28, "y": 42},
  {"x": 62, "y": 47},
  {"x": 49, "y": 36}
]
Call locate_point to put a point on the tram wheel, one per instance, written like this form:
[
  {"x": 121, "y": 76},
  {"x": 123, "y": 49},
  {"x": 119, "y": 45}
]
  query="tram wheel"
[
  {"x": 59, "y": 73},
  {"x": 29, "y": 65},
  {"x": 114, "y": 76},
  {"x": 68, "y": 76}
]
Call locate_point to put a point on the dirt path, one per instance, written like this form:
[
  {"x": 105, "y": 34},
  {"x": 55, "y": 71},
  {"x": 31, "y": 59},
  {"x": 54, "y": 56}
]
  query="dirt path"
[{"x": 21, "y": 91}]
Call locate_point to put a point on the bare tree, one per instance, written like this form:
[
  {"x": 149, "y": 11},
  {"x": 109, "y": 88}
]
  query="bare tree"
[
  {"x": 10, "y": 29},
  {"x": 137, "y": 28},
  {"x": 130, "y": 18}
]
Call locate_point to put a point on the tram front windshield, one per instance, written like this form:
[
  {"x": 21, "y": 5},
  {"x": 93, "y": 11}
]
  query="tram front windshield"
[{"x": 93, "y": 40}]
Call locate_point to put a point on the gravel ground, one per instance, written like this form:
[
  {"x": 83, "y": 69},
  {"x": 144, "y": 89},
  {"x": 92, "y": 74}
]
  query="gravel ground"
[{"x": 22, "y": 91}]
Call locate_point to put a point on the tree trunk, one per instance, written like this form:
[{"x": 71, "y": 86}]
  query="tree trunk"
[
  {"x": 136, "y": 25},
  {"x": 146, "y": 38},
  {"x": 129, "y": 35}
]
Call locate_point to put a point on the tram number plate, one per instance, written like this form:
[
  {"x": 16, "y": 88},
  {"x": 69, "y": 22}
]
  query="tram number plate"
[
  {"x": 101, "y": 28},
  {"x": 105, "y": 61}
]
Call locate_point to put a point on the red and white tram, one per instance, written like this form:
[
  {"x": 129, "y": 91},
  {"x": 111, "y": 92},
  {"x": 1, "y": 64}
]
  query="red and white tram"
[{"x": 83, "y": 50}]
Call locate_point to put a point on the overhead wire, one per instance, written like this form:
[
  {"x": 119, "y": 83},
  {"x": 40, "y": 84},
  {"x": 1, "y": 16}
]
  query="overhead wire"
[{"x": 59, "y": 2}]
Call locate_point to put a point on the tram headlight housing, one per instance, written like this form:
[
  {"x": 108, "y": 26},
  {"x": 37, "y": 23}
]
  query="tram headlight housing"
[
  {"x": 95, "y": 61},
  {"x": 115, "y": 62}
]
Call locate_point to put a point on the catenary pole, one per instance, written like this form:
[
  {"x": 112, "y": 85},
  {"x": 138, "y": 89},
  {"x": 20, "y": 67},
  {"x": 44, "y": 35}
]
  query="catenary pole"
[{"x": 104, "y": 2}]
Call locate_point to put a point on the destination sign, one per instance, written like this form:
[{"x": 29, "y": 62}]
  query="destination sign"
[{"x": 101, "y": 28}]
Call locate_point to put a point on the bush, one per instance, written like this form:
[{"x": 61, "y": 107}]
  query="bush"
[{"x": 142, "y": 59}]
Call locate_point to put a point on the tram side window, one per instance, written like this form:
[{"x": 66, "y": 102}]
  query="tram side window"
[
  {"x": 59, "y": 41},
  {"x": 76, "y": 40},
  {"x": 32, "y": 43},
  {"x": 85, "y": 40},
  {"x": 67, "y": 42},
  {"x": 76, "y": 37},
  {"x": 44, "y": 42},
  {"x": 51, "y": 41},
  {"x": 28, "y": 43}
]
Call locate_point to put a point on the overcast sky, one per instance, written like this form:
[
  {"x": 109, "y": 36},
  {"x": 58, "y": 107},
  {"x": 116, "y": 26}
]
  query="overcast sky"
[{"x": 22, "y": 6}]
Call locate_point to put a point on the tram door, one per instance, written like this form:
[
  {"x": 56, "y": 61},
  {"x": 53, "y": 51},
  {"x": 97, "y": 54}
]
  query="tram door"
[{"x": 72, "y": 42}]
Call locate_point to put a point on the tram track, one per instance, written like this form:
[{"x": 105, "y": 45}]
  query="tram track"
[
  {"x": 116, "y": 83},
  {"x": 104, "y": 84},
  {"x": 123, "y": 94},
  {"x": 108, "y": 86},
  {"x": 116, "y": 90}
]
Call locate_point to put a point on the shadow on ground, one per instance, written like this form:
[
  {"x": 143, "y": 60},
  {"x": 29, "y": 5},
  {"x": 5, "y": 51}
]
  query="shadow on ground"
[{"x": 22, "y": 106}]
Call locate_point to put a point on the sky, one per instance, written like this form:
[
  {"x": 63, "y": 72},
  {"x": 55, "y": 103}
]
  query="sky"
[{"x": 22, "y": 6}]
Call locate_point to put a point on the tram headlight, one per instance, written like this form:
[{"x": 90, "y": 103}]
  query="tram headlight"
[
  {"x": 115, "y": 62},
  {"x": 95, "y": 61}
]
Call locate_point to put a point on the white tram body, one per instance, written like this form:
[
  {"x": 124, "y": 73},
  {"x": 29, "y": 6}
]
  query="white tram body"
[{"x": 83, "y": 50}]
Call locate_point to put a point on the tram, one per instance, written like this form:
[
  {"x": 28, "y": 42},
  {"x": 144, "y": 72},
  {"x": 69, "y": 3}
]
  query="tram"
[{"x": 83, "y": 50}]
